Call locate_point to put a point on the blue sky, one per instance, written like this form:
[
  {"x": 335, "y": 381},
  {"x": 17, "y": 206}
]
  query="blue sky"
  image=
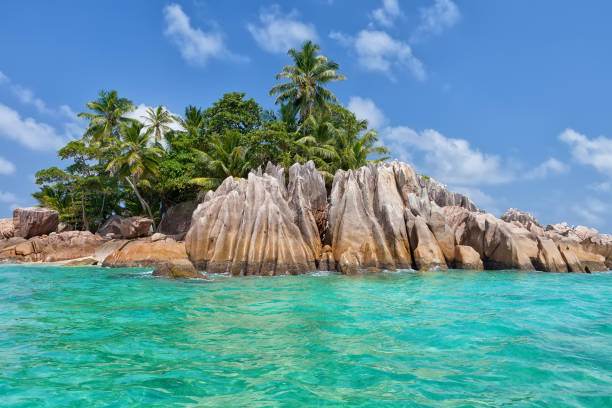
[{"x": 506, "y": 101}]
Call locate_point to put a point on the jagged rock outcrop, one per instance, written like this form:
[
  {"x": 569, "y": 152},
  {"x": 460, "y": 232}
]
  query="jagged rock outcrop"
[
  {"x": 54, "y": 247},
  {"x": 382, "y": 217},
  {"x": 7, "y": 229},
  {"x": 34, "y": 221},
  {"x": 118, "y": 227},
  {"x": 524, "y": 219},
  {"x": 495, "y": 240},
  {"x": 250, "y": 227},
  {"x": 438, "y": 193},
  {"x": 177, "y": 220}
]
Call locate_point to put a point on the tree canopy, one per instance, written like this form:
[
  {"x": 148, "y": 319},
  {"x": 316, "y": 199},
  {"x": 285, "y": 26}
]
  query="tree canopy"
[{"x": 143, "y": 166}]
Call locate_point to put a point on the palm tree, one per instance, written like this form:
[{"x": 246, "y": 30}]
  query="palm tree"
[
  {"x": 225, "y": 157},
  {"x": 193, "y": 121},
  {"x": 355, "y": 143},
  {"x": 157, "y": 120},
  {"x": 305, "y": 80},
  {"x": 136, "y": 160},
  {"x": 108, "y": 113}
]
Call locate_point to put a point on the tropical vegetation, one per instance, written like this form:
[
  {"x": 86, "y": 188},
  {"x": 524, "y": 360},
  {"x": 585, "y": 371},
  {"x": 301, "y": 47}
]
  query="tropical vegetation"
[{"x": 142, "y": 166}]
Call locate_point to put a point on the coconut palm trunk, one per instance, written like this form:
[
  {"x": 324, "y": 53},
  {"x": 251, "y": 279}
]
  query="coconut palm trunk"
[{"x": 143, "y": 203}]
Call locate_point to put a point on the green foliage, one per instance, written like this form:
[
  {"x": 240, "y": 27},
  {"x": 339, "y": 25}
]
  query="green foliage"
[{"x": 130, "y": 167}]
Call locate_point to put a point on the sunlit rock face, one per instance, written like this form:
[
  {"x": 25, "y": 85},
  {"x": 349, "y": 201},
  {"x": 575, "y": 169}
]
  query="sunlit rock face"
[
  {"x": 34, "y": 221},
  {"x": 382, "y": 217},
  {"x": 255, "y": 226}
]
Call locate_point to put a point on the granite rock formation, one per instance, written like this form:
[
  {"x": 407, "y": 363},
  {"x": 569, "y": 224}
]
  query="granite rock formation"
[
  {"x": 7, "y": 229},
  {"x": 118, "y": 227},
  {"x": 34, "y": 221},
  {"x": 177, "y": 220},
  {"x": 53, "y": 248},
  {"x": 251, "y": 226}
]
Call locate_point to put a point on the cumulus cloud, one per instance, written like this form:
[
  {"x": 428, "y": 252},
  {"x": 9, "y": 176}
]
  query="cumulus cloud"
[
  {"x": 365, "y": 108},
  {"x": 377, "y": 51},
  {"x": 452, "y": 160},
  {"x": 386, "y": 15},
  {"x": 30, "y": 133},
  {"x": 6, "y": 167},
  {"x": 550, "y": 166},
  {"x": 280, "y": 31},
  {"x": 593, "y": 152},
  {"x": 195, "y": 45},
  {"x": 593, "y": 212},
  {"x": 441, "y": 16},
  {"x": 7, "y": 197},
  {"x": 141, "y": 112}
]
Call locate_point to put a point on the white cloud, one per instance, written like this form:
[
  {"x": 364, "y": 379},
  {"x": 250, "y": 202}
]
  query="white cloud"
[
  {"x": 443, "y": 15},
  {"x": 195, "y": 45},
  {"x": 141, "y": 111},
  {"x": 30, "y": 133},
  {"x": 6, "y": 167},
  {"x": 377, "y": 51},
  {"x": 7, "y": 197},
  {"x": 365, "y": 108},
  {"x": 452, "y": 161},
  {"x": 604, "y": 187},
  {"x": 594, "y": 152},
  {"x": 550, "y": 166},
  {"x": 593, "y": 212},
  {"x": 280, "y": 31},
  {"x": 386, "y": 15}
]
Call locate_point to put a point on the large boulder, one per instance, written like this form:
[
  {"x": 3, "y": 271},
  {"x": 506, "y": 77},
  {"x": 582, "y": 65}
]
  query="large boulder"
[
  {"x": 499, "y": 244},
  {"x": 248, "y": 227},
  {"x": 118, "y": 227},
  {"x": 439, "y": 194},
  {"x": 168, "y": 257},
  {"x": 467, "y": 258},
  {"x": 177, "y": 220},
  {"x": 34, "y": 221},
  {"x": 426, "y": 251},
  {"x": 7, "y": 229}
]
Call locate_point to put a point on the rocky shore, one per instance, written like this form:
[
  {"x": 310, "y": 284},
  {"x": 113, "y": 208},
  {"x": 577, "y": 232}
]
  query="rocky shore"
[{"x": 381, "y": 216}]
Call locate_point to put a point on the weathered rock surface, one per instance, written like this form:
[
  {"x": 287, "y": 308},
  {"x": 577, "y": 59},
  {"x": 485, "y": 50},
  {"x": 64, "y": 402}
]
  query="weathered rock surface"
[
  {"x": 118, "y": 227},
  {"x": 34, "y": 221},
  {"x": 495, "y": 240},
  {"x": 7, "y": 229},
  {"x": 383, "y": 217},
  {"x": 524, "y": 219},
  {"x": 177, "y": 220},
  {"x": 466, "y": 257},
  {"x": 439, "y": 194},
  {"x": 54, "y": 247},
  {"x": 248, "y": 227}
]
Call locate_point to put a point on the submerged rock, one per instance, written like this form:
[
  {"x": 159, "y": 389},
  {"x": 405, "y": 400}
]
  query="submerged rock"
[
  {"x": 126, "y": 227},
  {"x": 34, "y": 221}
]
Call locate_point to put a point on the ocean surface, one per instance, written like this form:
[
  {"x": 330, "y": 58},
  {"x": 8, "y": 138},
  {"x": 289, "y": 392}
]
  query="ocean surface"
[{"x": 93, "y": 337}]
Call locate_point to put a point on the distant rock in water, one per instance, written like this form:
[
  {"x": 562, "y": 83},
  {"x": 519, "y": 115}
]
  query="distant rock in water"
[
  {"x": 128, "y": 228},
  {"x": 34, "y": 221},
  {"x": 251, "y": 226},
  {"x": 523, "y": 218}
]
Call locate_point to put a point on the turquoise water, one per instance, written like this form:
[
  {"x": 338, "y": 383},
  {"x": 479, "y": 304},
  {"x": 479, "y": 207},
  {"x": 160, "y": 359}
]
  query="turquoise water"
[{"x": 92, "y": 337}]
